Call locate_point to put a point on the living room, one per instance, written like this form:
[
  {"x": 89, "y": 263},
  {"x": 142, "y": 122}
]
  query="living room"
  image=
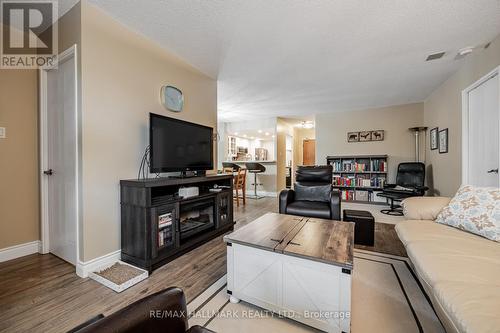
[{"x": 313, "y": 123}]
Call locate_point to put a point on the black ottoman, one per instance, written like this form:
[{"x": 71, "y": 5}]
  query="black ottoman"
[{"x": 364, "y": 229}]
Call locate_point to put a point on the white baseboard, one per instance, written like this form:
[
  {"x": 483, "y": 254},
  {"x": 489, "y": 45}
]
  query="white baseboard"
[
  {"x": 18, "y": 251},
  {"x": 83, "y": 268}
]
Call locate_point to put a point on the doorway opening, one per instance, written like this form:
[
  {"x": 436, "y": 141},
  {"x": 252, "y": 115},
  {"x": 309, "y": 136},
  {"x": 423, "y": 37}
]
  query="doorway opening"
[
  {"x": 59, "y": 158},
  {"x": 480, "y": 131},
  {"x": 309, "y": 152}
]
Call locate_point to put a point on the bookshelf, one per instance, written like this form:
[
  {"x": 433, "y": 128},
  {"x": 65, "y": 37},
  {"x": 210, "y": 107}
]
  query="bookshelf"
[{"x": 359, "y": 177}]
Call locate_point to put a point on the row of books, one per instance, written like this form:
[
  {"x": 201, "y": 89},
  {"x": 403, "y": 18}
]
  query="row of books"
[
  {"x": 165, "y": 237},
  {"x": 164, "y": 220},
  {"x": 378, "y": 165},
  {"x": 352, "y": 166},
  {"x": 353, "y": 181},
  {"x": 361, "y": 195},
  {"x": 165, "y": 230}
]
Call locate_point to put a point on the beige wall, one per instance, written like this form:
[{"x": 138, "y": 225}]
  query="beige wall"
[
  {"x": 282, "y": 130},
  {"x": 122, "y": 73},
  {"x": 19, "y": 195},
  {"x": 299, "y": 135},
  {"x": 443, "y": 109},
  {"x": 19, "y": 168},
  {"x": 399, "y": 143}
]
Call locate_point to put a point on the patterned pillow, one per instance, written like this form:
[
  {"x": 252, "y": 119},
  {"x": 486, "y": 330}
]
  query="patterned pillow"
[{"x": 474, "y": 209}]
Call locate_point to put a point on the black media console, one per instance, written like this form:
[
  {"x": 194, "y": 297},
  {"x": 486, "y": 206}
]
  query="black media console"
[{"x": 158, "y": 226}]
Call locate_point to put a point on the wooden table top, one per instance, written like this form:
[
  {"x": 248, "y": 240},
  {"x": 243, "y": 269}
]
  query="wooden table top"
[{"x": 327, "y": 241}]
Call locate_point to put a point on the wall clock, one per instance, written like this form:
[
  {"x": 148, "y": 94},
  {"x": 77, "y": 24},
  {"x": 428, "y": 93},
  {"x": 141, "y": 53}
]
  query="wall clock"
[{"x": 172, "y": 98}]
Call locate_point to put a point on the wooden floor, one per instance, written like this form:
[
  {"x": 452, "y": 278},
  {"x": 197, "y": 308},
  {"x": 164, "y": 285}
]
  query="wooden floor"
[{"x": 41, "y": 293}]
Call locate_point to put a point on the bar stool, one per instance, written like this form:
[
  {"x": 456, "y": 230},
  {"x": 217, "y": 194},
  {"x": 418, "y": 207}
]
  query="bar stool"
[
  {"x": 255, "y": 168},
  {"x": 229, "y": 165}
]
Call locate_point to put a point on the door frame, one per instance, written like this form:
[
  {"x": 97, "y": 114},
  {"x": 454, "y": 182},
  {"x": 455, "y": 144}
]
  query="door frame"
[
  {"x": 303, "y": 144},
  {"x": 465, "y": 119},
  {"x": 43, "y": 146}
]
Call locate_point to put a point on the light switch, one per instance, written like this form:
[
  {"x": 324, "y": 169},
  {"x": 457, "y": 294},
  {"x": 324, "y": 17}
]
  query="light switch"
[{"x": 3, "y": 133}]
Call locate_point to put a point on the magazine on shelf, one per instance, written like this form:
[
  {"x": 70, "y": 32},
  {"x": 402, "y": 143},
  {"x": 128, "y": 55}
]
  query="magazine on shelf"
[{"x": 164, "y": 220}]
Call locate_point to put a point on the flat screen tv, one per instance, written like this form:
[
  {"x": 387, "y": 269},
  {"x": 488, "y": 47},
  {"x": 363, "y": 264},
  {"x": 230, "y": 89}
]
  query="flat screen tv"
[{"x": 177, "y": 145}]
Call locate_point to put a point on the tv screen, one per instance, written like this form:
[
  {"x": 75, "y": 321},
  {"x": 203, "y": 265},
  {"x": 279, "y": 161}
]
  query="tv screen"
[{"x": 177, "y": 145}]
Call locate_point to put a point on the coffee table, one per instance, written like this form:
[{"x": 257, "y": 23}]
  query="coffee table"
[{"x": 295, "y": 266}]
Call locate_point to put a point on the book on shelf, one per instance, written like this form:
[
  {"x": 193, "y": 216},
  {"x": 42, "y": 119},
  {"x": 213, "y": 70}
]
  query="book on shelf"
[
  {"x": 348, "y": 195},
  {"x": 165, "y": 237},
  {"x": 377, "y": 182},
  {"x": 164, "y": 220},
  {"x": 336, "y": 165},
  {"x": 378, "y": 166},
  {"x": 362, "y": 195},
  {"x": 165, "y": 232}
]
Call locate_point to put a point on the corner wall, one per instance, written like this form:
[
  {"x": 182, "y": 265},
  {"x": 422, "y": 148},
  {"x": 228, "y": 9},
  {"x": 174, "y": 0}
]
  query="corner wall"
[
  {"x": 399, "y": 142},
  {"x": 122, "y": 73},
  {"x": 443, "y": 109},
  {"x": 299, "y": 135},
  {"x": 19, "y": 176}
]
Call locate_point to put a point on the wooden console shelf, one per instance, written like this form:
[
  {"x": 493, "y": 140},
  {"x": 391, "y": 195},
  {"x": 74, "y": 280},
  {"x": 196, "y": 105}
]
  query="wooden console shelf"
[{"x": 157, "y": 225}]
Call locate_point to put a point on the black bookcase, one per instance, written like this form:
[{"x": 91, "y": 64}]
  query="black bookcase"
[
  {"x": 359, "y": 177},
  {"x": 158, "y": 226}
]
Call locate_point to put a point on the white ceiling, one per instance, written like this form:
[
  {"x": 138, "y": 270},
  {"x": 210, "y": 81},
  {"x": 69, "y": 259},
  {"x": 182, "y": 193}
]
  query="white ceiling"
[{"x": 301, "y": 57}]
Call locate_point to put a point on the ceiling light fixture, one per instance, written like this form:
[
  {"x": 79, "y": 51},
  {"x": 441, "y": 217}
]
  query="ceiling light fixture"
[
  {"x": 307, "y": 124},
  {"x": 267, "y": 133},
  {"x": 465, "y": 51},
  {"x": 435, "y": 56},
  {"x": 260, "y": 131}
]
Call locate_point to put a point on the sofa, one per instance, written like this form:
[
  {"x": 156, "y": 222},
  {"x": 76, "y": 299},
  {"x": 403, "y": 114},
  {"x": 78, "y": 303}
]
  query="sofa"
[
  {"x": 313, "y": 195},
  {"x": 459, "y": 271}
]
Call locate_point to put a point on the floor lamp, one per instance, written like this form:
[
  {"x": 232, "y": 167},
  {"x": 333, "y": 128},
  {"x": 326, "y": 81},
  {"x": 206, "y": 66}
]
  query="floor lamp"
[{"x": 416, "y": 131}]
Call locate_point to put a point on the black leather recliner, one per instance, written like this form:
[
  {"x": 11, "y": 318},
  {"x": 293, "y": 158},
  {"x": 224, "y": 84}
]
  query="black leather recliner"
[
  {"x": 410, "y": 181},
  {"x": 164, "y": 311},
  {"x": 313, "y": 194}
]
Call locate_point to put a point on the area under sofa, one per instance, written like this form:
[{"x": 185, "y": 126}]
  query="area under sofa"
[{"x": 459, "y": 271}]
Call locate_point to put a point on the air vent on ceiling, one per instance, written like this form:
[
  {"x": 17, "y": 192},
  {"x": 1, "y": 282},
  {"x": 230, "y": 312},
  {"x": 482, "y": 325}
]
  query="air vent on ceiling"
[{"x": 435, "y": 56}]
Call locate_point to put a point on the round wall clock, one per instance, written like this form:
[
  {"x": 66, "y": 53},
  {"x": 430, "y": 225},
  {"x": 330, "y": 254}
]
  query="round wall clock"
[{"x": 172, "y": 98}]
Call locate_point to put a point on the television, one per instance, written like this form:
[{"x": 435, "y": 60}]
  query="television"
[{"x": 177, "y": 145}]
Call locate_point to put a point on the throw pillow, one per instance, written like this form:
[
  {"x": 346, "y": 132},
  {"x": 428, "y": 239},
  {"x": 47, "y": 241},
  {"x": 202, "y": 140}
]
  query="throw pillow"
[
  {"x": 474, "y": 209},
  {"x": 312, "y": 193}
]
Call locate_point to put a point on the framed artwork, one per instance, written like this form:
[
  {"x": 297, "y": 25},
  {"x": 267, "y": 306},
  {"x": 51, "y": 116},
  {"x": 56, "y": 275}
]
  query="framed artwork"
[
  {"x": 443, "y": 141},
  {"x": 434, "y": 138},
  {"x": 378, "y": 135},
  {"x": 365, "y": 136},
  {"x": 352, "y": 136}
]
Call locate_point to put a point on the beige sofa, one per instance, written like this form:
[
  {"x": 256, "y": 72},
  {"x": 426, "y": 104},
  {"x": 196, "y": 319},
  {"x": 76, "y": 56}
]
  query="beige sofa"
[{"x": 459, "y": 271}]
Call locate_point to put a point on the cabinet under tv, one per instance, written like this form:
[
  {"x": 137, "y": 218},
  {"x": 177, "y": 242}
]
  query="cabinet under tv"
[{"x": 157, "y": 226}]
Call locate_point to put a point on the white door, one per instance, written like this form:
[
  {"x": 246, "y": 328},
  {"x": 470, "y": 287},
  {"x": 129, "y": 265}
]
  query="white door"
[
  {"x": 482, "y": 138},
  {"x": 61, "y": 160}
]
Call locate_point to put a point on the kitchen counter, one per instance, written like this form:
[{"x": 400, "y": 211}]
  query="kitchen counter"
[{"x": 243, "y": 162}]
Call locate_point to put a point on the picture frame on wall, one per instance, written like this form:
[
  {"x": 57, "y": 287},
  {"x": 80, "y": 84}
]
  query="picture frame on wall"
[
  {"x": 433, "y": 138},
  {"x": 443, "y": 141},
  {"x": 365, "y": 136},
  {"x": 352, "y": 136},
  {"x": 378, "y": 135}
]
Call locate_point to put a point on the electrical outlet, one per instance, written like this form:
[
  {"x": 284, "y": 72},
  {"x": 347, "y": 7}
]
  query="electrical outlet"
[{"x": 3, "y": 133}]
